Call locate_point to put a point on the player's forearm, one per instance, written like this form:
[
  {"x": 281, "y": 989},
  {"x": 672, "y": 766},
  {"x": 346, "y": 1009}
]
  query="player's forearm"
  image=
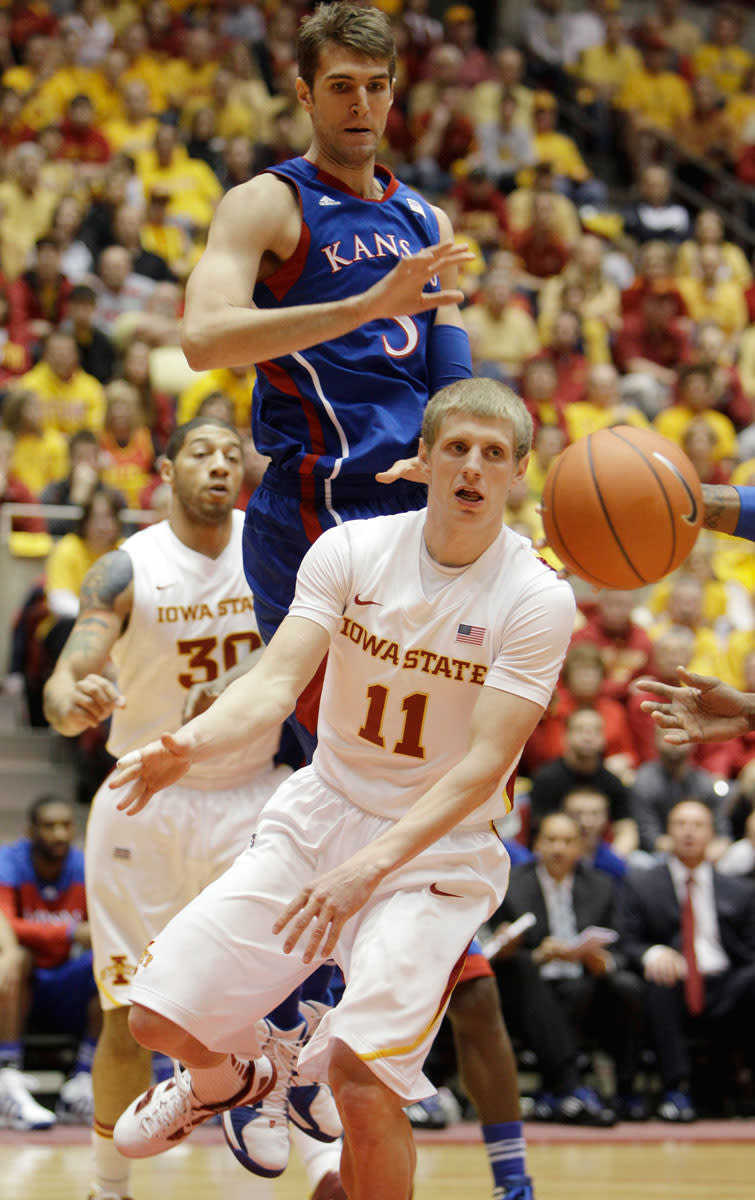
[
  {"x": 245, "y": 710},
  {"x": 229, "y": 336},
  {"x": 721, "y": 507}
]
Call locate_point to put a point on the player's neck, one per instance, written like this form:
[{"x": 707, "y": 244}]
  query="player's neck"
[
  {"x": 204, "y": 538},
  {"x": 458, "y": 547},
  {"x": 360, "y": 180}
]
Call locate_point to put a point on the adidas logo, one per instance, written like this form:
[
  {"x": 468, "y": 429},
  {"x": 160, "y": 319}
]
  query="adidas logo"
[{"x": 324, "y": 200}]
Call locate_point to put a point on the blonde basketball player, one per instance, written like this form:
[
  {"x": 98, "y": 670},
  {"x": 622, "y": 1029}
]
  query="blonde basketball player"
[{"x": 445, "y": 637}]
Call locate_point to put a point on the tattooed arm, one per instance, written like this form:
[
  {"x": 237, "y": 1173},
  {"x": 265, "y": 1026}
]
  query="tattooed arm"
[
  {"x": 78, "y": 694},
  {"x": 721, "y": 507}
]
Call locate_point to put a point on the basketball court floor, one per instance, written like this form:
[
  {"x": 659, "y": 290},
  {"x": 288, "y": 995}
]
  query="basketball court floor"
[{"x": 707, "y": 1161}]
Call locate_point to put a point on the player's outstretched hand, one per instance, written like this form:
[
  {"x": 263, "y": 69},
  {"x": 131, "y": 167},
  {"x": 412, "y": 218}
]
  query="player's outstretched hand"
[
  {"x": 149, "y": 770},
  {"x": 324, "y": 906},
  {"x": 705, "y": 710},
  {"x": 402, "y": 291},
  {"x": 403, "y": 468}
]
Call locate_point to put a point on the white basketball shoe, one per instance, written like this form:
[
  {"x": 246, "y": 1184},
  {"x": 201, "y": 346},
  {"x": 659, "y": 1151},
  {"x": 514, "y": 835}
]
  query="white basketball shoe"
[{"x": 168, "y": 1112}]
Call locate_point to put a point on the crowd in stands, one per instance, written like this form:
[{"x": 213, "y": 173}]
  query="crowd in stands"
[{"x": 591, "y": 165}]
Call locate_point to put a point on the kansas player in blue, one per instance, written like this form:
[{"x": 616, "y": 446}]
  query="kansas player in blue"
[{"x": 339, "y": 283}]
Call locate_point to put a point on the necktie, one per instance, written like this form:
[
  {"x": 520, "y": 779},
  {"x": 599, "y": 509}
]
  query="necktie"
[{"x": 693, "y": 984}]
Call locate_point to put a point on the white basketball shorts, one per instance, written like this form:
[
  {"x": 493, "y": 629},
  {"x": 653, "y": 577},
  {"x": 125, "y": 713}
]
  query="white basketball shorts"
[
  {"x": 142, "y": 870},
  {"x": 217, "y": 967}
]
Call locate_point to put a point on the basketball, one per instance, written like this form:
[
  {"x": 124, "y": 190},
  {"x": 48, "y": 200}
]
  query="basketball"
[{"x": 622, "y": 507}]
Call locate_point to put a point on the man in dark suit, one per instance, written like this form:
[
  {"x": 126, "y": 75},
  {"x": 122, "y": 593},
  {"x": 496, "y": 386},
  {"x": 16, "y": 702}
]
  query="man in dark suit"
[
  {"x": 690, "y": 931},
  {"x": 556, "y": 987}
]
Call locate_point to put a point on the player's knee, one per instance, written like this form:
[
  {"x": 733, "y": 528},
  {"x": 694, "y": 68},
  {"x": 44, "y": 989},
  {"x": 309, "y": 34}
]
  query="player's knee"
[
  {"x": 148, "y": 1028},
  {"x": 361, "y": 1097}
]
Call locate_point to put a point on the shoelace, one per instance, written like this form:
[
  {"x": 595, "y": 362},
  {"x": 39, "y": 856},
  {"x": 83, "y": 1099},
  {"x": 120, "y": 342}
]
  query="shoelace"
[
  {"x": 173, "y": 1110},
  {"x": 284, "y": 1055}
]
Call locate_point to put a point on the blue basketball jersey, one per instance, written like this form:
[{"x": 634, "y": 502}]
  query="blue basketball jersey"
[{"x": 344, "y": 409}]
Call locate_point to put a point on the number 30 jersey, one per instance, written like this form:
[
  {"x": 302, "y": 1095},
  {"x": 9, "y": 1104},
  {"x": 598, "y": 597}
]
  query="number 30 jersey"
[
  {"x": 192, "y": 619},
  {"x": 350, "y": 406},
  {"x": 406, "y": 667}
]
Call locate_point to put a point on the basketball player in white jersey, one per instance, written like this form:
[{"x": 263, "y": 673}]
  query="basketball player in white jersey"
[
  {"x": 445, "y": 636},
  {"x": 172, "y": 613}
]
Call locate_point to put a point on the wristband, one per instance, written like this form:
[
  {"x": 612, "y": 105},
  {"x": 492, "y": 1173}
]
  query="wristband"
[
  {"x": 745, "y": 526},
  {"x": 448, "y": 356}
]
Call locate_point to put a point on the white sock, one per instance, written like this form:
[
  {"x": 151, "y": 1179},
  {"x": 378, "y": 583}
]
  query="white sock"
[
  {"x": 112, "y": 1172},
  {"x": 212, "y": 1085},
  {"x": 318, "y": 1157}
]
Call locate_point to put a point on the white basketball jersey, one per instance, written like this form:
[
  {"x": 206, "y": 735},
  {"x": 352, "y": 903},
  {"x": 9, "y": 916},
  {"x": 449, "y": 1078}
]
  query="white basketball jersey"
[
  {"x": 405, "y": 671},
  {"x": 192, "y": 619}
]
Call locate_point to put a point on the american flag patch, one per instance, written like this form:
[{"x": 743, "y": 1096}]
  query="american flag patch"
[{"x": 471, "y": 633}]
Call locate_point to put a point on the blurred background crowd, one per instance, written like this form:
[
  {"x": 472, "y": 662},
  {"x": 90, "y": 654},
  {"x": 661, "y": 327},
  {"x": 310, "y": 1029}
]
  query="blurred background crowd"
[{"x": 598, "y": 156}]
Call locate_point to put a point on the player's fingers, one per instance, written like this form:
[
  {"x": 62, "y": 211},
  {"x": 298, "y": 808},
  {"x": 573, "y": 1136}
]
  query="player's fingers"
[
  {"x": 438, "y": 299},
  {"x": 296, "y": 905}
]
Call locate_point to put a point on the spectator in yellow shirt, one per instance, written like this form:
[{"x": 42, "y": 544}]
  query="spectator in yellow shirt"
[
  {"x": 502, "y": 334},
  {"x": 194, "y": 188},
  {"x": 40, "y": 455},
  {"x": 651, "y": 99},
  {"x": 191, "y": 75},
  {"x": 98, "y": 531},
  {"x": 135, "y": 131},
  {"x": 572, "y": 175},
  {"x": 709, "y": 231},
  {"x": 142, "y": 64},
  {"x": 602, "y": 69},
  {"x": 548, "y": 442},
  {"x": 712, "y": 296},
  {"x": 71, "y": 399},
  {"x": 602, "y": 405},
  {"x": 27, "y": 207},
  {"x": 50, "y": 100},
  {"x": 685, "y": 606},
  {"x": 723, "y": 59},
  {"x": 694, "y": 400}
]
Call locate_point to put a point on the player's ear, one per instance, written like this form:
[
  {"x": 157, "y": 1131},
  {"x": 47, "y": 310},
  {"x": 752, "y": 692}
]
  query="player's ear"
[
  {"x": 520, "y": 469},
  {"x": 166, "y": 469},
  {"x": 303, "y": 93},
  {"x": 423, "y": 454}
]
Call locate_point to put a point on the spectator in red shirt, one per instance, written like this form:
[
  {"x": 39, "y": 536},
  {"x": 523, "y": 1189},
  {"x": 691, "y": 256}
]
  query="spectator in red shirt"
[
  {"x": 483, "y": 208},
  {"x": 39, "y": 297},
  {"x": 460, "y": 30},
  {"x": 13, "y": 128},
  {"x": 565, "y": 353},
  {"x": 625, "y": 647},
  {"x": 580, "y": 686},
  {"x": 82, "y": 142},
  {"x": 541, "y": 249},
  {"x": 15, "y": 359},
  {"x": 649, "y": 348}
]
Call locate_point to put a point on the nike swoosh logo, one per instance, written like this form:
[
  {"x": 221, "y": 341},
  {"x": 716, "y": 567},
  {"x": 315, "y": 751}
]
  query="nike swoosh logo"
[
  {"x": 365, "y": 602},
  {"x": 162, "y": 586},
  {"x": 691, "y": 516},
  {"x": 436, "y": 891}
]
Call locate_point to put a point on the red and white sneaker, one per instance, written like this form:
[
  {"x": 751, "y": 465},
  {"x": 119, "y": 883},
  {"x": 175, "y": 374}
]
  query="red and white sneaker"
[{"x": 168, "y": 1112}]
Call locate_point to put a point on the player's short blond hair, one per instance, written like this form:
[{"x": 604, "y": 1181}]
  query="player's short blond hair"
[{"x": 479, "y": 398}]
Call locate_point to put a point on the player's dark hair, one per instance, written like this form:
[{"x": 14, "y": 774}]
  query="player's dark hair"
[
  {"x": 178, "y": 436},
  {"x": 479, "y": 398},
  {"x": 41, "y": 802},
  {"x": 365, "y": 31}
]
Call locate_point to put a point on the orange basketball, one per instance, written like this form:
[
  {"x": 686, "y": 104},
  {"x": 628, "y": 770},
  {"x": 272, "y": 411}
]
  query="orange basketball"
[{"x": 622, "y": 507}]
